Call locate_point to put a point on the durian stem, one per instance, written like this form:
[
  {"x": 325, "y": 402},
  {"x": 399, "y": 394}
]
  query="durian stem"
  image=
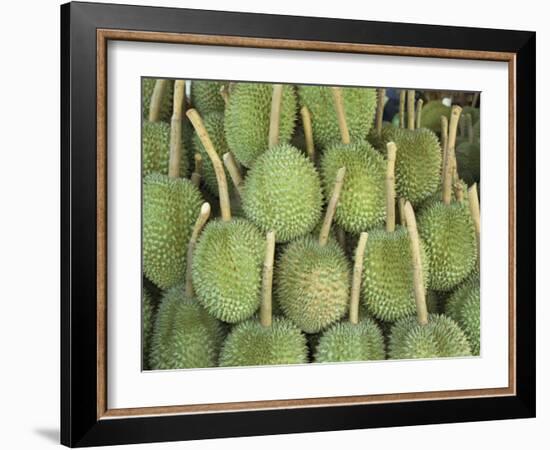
[
  {"x": 473, "y": 203},
  {"x": 459, "y": 193},
  {"x": 156, "y": 99},
  {"x": 470, "y": 128},
  {"x": 341, "y": 114},
  {"x": 275, "y": 118},
  {"x": 199, "y": 225},
  {"x": 418, "y": 275},
  {"x": 390, "y": 187},
  {"x": 410, "y": 109},
  {"x": 234, "y": 172},
  {"x": 356, "y": 280},
  {"x": 449, "y": 160},
  {"x": 418, "y": 117},
  {"x": 475, "y": 99},
  {"x": 196, "y": 175},
  {"x": 401, "y": 203},
  {"x": 402, "y": 94},
  {"x": 267, "y": 281},
  {"x": 198, "y": 124},
  {"x": 224, "y": 93},
  {"x": 380, "y": 110},
  {"x": 444, "y": 143},
  {"x": 331, "y": 208},
  {"x": 308, "y": 132},
  {"x": 176, "y": 130}
]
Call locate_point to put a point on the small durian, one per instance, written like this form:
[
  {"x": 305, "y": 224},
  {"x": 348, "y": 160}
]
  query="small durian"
[
  {"x": 228, "y": 258},
  {"x": 447, "y": 229},
  {"x": 147, "y": 322},
  {"x": 206, "y": 96},
  {"x": 424, "y": 336},
  {"x": 431, "y": 115},
  {"x": 362, "y": 203},
  {"x": 247, "y": 119},
  {"x": 467, "y": 156},
  {"x": 163, "y": 99},
  {"x": 313, "y": 276},
  {"x": 354, "y": 340},
  {"x": 269, "y": 341},
  {"x": 170, "y": 205},
  {"x": 185, "y": 336},
  {"x": 463, "y": 307},
  {"x": 360, "y": 106}
]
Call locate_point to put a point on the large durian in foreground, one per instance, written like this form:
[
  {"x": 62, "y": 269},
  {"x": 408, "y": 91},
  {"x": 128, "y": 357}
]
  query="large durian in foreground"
[
  {"x": 360, "y": 106},
  {"x": 267, "y": 341},
  {"x": 229, "y": 254},
  {"x": 362, "y": 202},
  {"x": 247, "y": 119},
  {"x": 313, "y": 277},
  {"x": 185, "y": 335},
  {"x": 206, "y": 96},
  {"x": 356, "y": 339},
  {"x": 424, "y": 336},
  {"x": 170, "y": 205}
]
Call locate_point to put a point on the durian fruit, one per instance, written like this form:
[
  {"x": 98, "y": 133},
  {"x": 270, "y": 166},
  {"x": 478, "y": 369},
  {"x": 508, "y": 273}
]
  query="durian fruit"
[
  {"x": 185, "y": 335},
  {"x": 431, "y": 115},
  {"x": 247, "y": 119},
  {"x": 418, "y": 164},
  {"x": 267, "y": 341},
  {"x": 147, "y": 322},
  {"x": 388, "y": 290},
  {"x": 313, "y": 277},
  {"x": 206, "y": 96},
  {"x": 362, "y": 203},
  {"x": 229, "y": 254},
  {"x": 170, "y": 205},
  {"x": 164, "y": 94},
  {"x": 359, "y": 103},
  {"x": 424, "y": 336},
  {"x": 447, "y": 228},
  {"x": 467, "y": 155},
  {"x": 355, "y": 340},
  {"x": 463, "y": 307},
  {"x": 382, "y": 133}
]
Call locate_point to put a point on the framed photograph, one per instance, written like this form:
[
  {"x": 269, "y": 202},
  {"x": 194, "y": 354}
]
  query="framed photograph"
[{"x": 276, "y": 224}]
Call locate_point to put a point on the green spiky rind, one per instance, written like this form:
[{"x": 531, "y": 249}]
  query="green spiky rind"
[
  {"x": 437, "y": 197},
  {"x": 345, "y": 341},
  {"x": 313, "y": 284},
  {"x": 467, "y": 159},
  {"x": 282, "y": 193},
  {"x": 156, "y": 149},
  {"x": 147, "y": 322},
  {"x": 379, "y": 142},
  {"x": 417, "y": 165},
  {"x": 463, "y": 306},
  {"x": 362, "y": 202},
  {"x": 252, "y": 344},
  {"x": 206, "y": 97},
  {"x": 441, "y": 337},
  {"x": 247, "y": 119},
  {"x": 388, "y": 290},
  {"x": 449, "y": 237},
  {"x": 148, "y": 85},
  {"x": 213, "y": 123},
  {"x": 185, "y": 335},
  {"x": 431, "y": 115},
  {"x": 170, "y": 209},
  {"x": 227, "y": 269},
  {"x": 359, "y": 105}
]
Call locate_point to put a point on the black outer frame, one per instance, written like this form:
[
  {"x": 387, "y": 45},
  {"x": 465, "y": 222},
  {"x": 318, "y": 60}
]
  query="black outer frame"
[{"x": 79, "y": 424}]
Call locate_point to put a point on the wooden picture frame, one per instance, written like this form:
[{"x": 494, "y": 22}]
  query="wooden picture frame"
[{"x": 85, "y": 416}]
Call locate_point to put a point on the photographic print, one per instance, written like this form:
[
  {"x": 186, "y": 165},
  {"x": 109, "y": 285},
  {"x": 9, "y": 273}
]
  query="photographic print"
[{"x": 303, "y": 224}]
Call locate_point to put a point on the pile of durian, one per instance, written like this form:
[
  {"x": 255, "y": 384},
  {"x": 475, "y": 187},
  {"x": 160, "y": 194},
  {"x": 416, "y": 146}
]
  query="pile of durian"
[{"x": 290, "y": 224}]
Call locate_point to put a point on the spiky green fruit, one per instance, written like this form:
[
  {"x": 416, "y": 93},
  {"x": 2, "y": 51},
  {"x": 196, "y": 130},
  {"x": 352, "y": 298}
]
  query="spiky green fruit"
[
  {"x": 282, "y": 193},
  {"x": 388, "y": 290},
  {"x": 170, "y": 208},
  {"x": 345, "y": 341},
  {"x": 418, "y": 164},
  {"x": 147, "y": 86},
  {"x": 206, "y": 97},
  {"x": 156, "y": 149},
  {"x": 463, "y": 307},
  {"x": 379, "y": 142},
  {"x": 185, "y": 335},
  {"x": 247, "y": 119},
  {"x": 147, "y": 322},
  {"x": 438, "y": 196},
  {"x": 252, "y": 344},
  {"x": 362, "y": 202},
  {"x": 313, "y": 283},
  {"x": 431, "y": 115},
  {"x": 467, "y": 159},
  {"x": 227, "y": 268},
  {"x": 440, "y": 338},
  {"x": 359, "y": 106},
  {"x": 449, "y": 237}
]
